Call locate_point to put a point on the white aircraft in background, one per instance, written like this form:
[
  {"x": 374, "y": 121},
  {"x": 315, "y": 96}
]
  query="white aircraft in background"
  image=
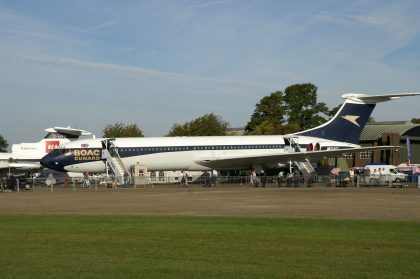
[
  {"x": 26, "y": 156},
  {"x": 338, "y": 136}
]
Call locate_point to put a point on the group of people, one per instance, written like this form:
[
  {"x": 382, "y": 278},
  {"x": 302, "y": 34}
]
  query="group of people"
[
  {"x": 258, "y": 179},
  {"x": 290, "y": 179},
  {"x": 210, "y": 178},
  {"x": 11, "y": 184}
]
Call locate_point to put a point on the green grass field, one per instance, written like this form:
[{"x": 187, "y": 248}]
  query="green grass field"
[{"x": 71, "y": 246}]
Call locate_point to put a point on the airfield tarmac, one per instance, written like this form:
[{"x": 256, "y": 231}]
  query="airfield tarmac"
[{"x": 316, "y": 202}]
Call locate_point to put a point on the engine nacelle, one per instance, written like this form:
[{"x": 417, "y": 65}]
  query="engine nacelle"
[{"x": 316, "y": 146}]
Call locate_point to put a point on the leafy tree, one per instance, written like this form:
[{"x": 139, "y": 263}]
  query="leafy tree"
[
  {"x": 283, "y": 113},
  {"x": 415, "y": 120},
  {"x": 3, "y": 144},
  {"x": 268, "y": 115},
  {"x": 334, "y": 110},
  {"x": 302, "y": 106},
  {"x": 288, "y": 128},
  {"x": 119, "y": 130},
  {"x": 371, "y": 120},
  {"x": 264, "y": 128},
  {"x": 207, "y": 125}
]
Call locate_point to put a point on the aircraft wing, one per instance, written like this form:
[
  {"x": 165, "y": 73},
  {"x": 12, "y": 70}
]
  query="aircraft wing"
[
  {"x": 25, "y": 166},
  {"x": 275, "y": 158}
]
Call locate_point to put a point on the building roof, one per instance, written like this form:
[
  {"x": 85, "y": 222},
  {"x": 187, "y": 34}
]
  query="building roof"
[{"x": 374, "y": 130}]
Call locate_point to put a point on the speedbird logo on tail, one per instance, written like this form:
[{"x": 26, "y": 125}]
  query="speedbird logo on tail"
[{"x": 352, "y": 119}]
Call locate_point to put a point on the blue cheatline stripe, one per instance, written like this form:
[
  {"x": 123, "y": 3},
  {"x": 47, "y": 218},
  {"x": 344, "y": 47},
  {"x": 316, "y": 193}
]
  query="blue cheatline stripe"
[{"x": 136, "y": 151}]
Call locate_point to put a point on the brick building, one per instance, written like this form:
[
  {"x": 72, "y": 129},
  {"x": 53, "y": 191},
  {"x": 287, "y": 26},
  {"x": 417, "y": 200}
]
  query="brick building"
[{"x": 387, "y": 133}]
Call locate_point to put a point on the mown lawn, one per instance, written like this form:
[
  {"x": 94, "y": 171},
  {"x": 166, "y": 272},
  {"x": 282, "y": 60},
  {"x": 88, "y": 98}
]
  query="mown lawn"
[{"x": 92, "y": 246}]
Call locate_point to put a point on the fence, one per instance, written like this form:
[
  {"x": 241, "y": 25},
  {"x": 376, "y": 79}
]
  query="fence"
[{"x": 22, "y": 184}]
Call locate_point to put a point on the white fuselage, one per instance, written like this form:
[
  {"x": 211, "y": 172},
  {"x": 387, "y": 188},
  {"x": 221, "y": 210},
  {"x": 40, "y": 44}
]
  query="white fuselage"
[{"x": 185, "y": 153}]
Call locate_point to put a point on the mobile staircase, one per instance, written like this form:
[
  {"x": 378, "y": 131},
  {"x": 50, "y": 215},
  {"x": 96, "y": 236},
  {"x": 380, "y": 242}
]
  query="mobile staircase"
[
  {"x": 305, "y": 167},
  {"x": 116, "y": 165}
]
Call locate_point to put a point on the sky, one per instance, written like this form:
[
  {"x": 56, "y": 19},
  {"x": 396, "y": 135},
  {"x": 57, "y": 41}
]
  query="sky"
[{"x": 86, "y": 64}]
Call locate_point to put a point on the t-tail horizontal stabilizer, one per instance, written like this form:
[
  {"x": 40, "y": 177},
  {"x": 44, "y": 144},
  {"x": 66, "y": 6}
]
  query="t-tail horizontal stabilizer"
[
  {"x": 351, "y": 118},
  {"x": 68, "y": 131},
  {"x": 373, "y": 99}
]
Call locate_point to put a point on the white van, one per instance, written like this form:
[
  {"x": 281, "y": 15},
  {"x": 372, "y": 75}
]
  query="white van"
[{"x": 384, "y": 174}]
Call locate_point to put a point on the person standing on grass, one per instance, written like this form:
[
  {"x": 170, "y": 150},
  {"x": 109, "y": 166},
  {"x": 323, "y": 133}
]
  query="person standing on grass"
[
  {"x": 50, "y": 180},
  {"x": 66, "y": 180},
  {"x": 263, "y": 178},
  {"x": 183, "y": 179},
  {"x": 214, "y": 177},
  {"x": 254, "y": 178},
  {"x": 86, "y": 182}
]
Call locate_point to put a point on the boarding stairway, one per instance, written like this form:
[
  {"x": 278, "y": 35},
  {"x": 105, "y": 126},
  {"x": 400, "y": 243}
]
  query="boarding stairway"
[
  {"x": 291, "y": 145},
  {"x": 305, "y": 167},
  {"x": 116, "y": 165}
]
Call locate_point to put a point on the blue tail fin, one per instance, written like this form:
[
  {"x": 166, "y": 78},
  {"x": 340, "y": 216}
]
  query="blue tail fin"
[{"x": 346, "y": 125}]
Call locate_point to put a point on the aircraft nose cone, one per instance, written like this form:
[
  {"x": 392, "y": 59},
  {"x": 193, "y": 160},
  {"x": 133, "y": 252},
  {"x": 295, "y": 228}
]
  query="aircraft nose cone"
[
  {"x": 49, "y": 161},
  {"x": 45, "y": 161}
]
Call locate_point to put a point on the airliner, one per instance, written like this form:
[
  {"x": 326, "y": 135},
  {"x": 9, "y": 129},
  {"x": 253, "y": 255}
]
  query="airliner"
[
  {"x": 338, "y": 136},
  {"x": 26, "y": 156}
]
